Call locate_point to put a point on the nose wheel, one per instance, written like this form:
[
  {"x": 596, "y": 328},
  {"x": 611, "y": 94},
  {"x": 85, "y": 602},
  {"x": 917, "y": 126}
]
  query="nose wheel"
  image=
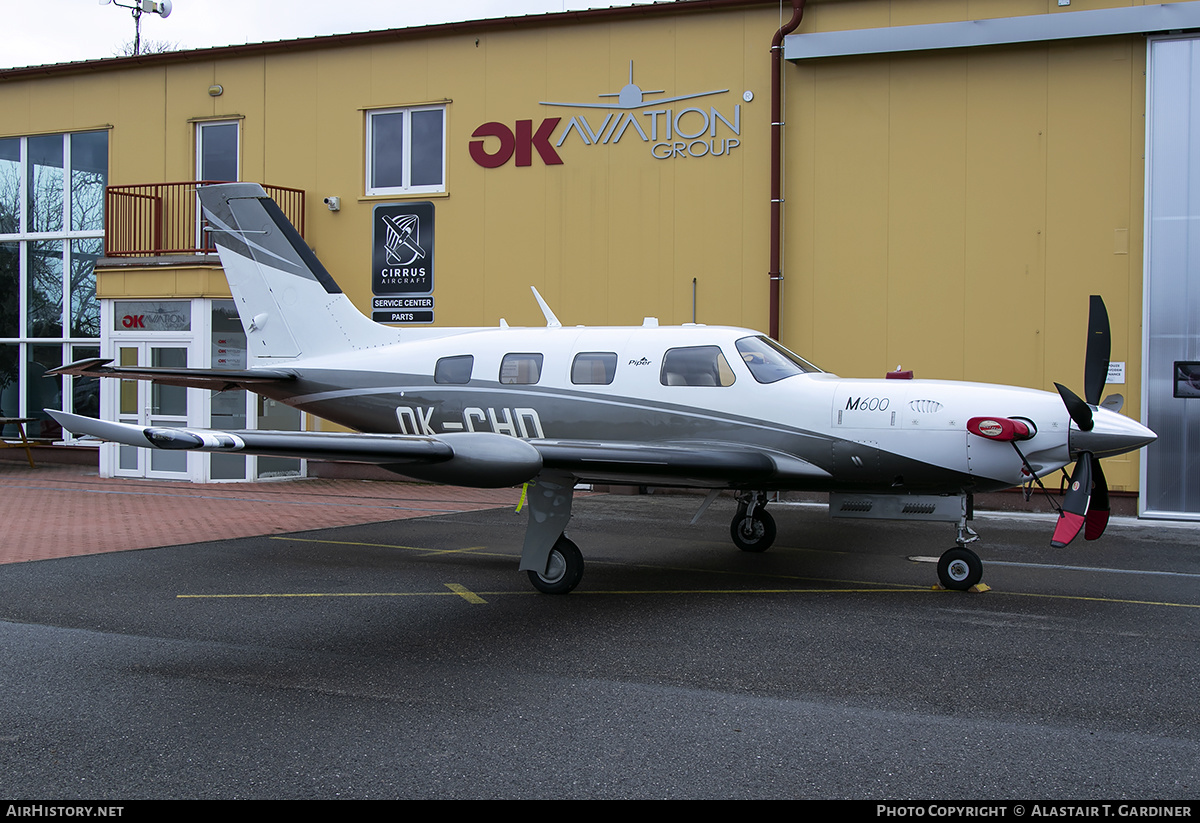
[{"x": 959, "y": 569}]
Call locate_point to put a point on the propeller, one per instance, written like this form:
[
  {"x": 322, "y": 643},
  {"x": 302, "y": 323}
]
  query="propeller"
[{"x": 1086, "y": 505}]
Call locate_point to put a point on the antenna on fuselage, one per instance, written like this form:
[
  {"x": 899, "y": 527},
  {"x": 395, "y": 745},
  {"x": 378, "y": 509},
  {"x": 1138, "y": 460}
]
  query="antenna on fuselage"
[{"x": 551, "y": 321}]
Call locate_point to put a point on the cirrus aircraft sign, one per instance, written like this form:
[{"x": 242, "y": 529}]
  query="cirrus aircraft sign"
[{"x": 690, "y": 130}]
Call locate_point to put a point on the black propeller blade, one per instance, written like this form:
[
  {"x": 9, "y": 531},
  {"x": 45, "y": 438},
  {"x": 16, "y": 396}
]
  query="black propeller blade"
[
  {"x": 1098, "y": 509},
  {"x": 1080, "y": 412},
  {"x": 1075, "y": 504},
  {"x": 1099, "y": 348}
]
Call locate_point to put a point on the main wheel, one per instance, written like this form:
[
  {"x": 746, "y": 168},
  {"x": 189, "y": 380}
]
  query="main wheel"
[
  {"x": 564, "y": 569},
  {"x": 753, "y": 534},
  {"x": 959, "y": 569}
]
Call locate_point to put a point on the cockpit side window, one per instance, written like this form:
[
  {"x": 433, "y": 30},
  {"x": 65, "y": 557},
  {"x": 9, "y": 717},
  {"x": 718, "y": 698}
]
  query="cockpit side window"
[
  {"x": 455, "y": 369},
  {"x": 696, "y": 366},
  {"x": 770, "y": 362}
]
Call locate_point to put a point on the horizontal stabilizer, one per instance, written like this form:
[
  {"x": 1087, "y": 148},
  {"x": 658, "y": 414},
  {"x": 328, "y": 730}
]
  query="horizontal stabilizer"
[{"x": 215, "y": 379}]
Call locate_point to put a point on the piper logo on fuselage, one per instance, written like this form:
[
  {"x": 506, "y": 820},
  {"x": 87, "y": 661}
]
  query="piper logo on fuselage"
[{"x": 519, "y": 422}]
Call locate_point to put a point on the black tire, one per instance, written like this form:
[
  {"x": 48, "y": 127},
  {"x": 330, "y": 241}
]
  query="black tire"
[
  {"x": 959, "y": 569},
  {"x": 753, "y": 534},
  {"x": 564, "y": 569}
]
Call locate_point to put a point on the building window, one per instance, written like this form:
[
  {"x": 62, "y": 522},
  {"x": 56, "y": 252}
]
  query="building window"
[
  {"x": 406, "y": 150},
  {"x": 51, "y": 233}
]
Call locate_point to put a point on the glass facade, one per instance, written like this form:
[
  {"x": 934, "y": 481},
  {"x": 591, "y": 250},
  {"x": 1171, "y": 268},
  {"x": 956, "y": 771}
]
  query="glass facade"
[{"x": 51, "y": 234}]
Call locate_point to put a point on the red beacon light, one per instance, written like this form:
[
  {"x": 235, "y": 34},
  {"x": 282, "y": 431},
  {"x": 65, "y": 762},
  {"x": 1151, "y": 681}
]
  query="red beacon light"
[{"x": 1001, "y": 428}]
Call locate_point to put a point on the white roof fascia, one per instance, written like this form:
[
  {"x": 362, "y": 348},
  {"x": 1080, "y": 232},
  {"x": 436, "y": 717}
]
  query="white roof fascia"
[{"x": 997, "y": 31}]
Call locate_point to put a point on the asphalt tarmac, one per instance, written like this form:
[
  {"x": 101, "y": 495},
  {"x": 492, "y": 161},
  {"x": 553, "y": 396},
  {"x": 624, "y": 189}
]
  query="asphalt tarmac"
[{"x": 410, "y": 659}]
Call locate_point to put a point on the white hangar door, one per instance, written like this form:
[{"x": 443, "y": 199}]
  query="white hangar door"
[{"x": 1170, "y": 484}]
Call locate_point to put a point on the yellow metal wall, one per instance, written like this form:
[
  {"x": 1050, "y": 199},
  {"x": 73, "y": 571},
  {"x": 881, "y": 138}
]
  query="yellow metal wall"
[{"x": 951, "y": 212}]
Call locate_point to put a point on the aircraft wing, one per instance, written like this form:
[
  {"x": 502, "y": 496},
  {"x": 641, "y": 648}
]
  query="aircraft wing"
[
  {"x": 215, "y": 379},
  {"x": 702, "y": 465},
  {"x": 480, "y": 459}
]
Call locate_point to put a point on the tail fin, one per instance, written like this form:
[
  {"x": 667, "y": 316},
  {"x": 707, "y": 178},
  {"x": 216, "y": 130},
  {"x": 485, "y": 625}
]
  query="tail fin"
[{"x": 289, "y": 304}]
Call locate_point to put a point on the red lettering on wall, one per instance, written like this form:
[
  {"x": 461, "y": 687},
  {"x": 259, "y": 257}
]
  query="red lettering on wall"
[{"x": 522, "y": 143}]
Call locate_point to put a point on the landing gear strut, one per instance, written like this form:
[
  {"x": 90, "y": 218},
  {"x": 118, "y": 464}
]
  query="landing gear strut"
[
  {"x": 564, "y": 569},
  {"x": 753, "y": 527}
]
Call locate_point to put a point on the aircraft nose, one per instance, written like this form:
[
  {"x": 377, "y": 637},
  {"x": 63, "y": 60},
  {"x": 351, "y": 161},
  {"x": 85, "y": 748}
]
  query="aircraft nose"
[{"x": 1111, "y": 434}]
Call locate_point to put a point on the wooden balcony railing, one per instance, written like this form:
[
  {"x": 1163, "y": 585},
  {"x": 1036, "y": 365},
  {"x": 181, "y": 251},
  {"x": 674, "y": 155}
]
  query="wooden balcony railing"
[{"x": 155, "y": 219}]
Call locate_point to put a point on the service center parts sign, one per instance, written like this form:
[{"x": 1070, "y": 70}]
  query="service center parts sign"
[{"x": 402, "y": 263}]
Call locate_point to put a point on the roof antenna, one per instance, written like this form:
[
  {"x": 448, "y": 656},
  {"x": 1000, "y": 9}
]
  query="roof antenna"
[{"x": 551, "y": 320}]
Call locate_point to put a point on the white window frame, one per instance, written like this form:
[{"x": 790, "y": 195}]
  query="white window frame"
[
  {"x": 201, "y": 125},
  {"x": 406, "y": 155}
]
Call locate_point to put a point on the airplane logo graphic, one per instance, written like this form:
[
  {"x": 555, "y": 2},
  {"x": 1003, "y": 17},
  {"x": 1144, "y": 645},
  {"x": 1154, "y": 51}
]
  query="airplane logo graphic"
[
  {"x": 400, "y": 242},
  {"x": 631, "y": 96}
]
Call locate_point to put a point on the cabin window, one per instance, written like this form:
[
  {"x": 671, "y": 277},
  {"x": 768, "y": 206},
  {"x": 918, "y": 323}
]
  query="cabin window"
[
  {"x": 521, "y": 369},
  {"x": 768, "y": 361},
  {"x": 696, "y": 366},
  {"x": 455, "y": 369},
  {"x": 594, "y": 368}
]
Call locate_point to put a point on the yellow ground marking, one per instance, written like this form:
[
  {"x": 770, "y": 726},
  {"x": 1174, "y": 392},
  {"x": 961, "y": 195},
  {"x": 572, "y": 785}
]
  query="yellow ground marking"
[
  {"x": 423, "y": 550},
  {"x": 849, "y": 586},
  {"x": 466, "y": 593}
]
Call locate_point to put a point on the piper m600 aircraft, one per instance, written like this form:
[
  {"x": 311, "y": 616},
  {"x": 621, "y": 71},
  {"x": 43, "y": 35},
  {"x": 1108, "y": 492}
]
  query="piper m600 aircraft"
[{"x": 686, "y": 406}]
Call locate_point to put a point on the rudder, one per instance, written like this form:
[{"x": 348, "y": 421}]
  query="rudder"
[{"x": 289, "y": 304}]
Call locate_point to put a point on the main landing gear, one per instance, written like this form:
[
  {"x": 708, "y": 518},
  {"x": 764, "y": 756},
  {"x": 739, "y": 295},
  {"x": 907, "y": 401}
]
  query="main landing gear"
[
  {"x": 753, "y": 527},
  {"x": 564, "y": 568}
]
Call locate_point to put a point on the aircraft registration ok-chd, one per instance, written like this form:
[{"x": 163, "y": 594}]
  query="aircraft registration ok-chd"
[{"x": 688, "y": 406}]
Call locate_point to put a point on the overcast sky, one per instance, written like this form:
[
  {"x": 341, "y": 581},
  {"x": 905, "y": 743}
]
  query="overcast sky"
[{"x": 61, "y": 31}]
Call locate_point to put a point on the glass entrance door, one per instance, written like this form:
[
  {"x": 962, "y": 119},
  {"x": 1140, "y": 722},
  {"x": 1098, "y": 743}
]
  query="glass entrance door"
[{"x": 142, "y": 403}]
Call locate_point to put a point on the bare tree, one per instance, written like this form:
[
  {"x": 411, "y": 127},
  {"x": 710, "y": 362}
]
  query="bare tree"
[{"x": 147, "y": 47}]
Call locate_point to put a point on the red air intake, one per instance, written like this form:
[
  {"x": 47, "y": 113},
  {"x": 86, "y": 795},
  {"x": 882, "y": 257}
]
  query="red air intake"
[{"x": 1000, "y": 428}]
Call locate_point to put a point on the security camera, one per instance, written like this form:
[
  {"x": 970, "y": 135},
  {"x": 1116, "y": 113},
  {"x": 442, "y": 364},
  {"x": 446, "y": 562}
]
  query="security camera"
[{"x": 334, "y": 203}]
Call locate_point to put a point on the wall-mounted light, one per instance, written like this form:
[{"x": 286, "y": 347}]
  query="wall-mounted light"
[{"x": 215, "y": 90}]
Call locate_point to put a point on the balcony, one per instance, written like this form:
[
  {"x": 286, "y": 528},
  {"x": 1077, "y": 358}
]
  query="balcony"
[{"x": 161, "y": 219}]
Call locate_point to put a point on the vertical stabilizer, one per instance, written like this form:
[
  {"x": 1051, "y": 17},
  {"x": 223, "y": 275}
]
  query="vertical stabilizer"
[{"x": 289, "y": 304}]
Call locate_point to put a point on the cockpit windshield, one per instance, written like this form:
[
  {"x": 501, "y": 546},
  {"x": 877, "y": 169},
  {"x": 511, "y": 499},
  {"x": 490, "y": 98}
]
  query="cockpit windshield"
[{"x": 768, "y": 361}]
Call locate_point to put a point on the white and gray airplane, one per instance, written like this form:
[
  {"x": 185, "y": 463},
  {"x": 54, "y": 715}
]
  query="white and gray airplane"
[{"x": 693, "y": 406}]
